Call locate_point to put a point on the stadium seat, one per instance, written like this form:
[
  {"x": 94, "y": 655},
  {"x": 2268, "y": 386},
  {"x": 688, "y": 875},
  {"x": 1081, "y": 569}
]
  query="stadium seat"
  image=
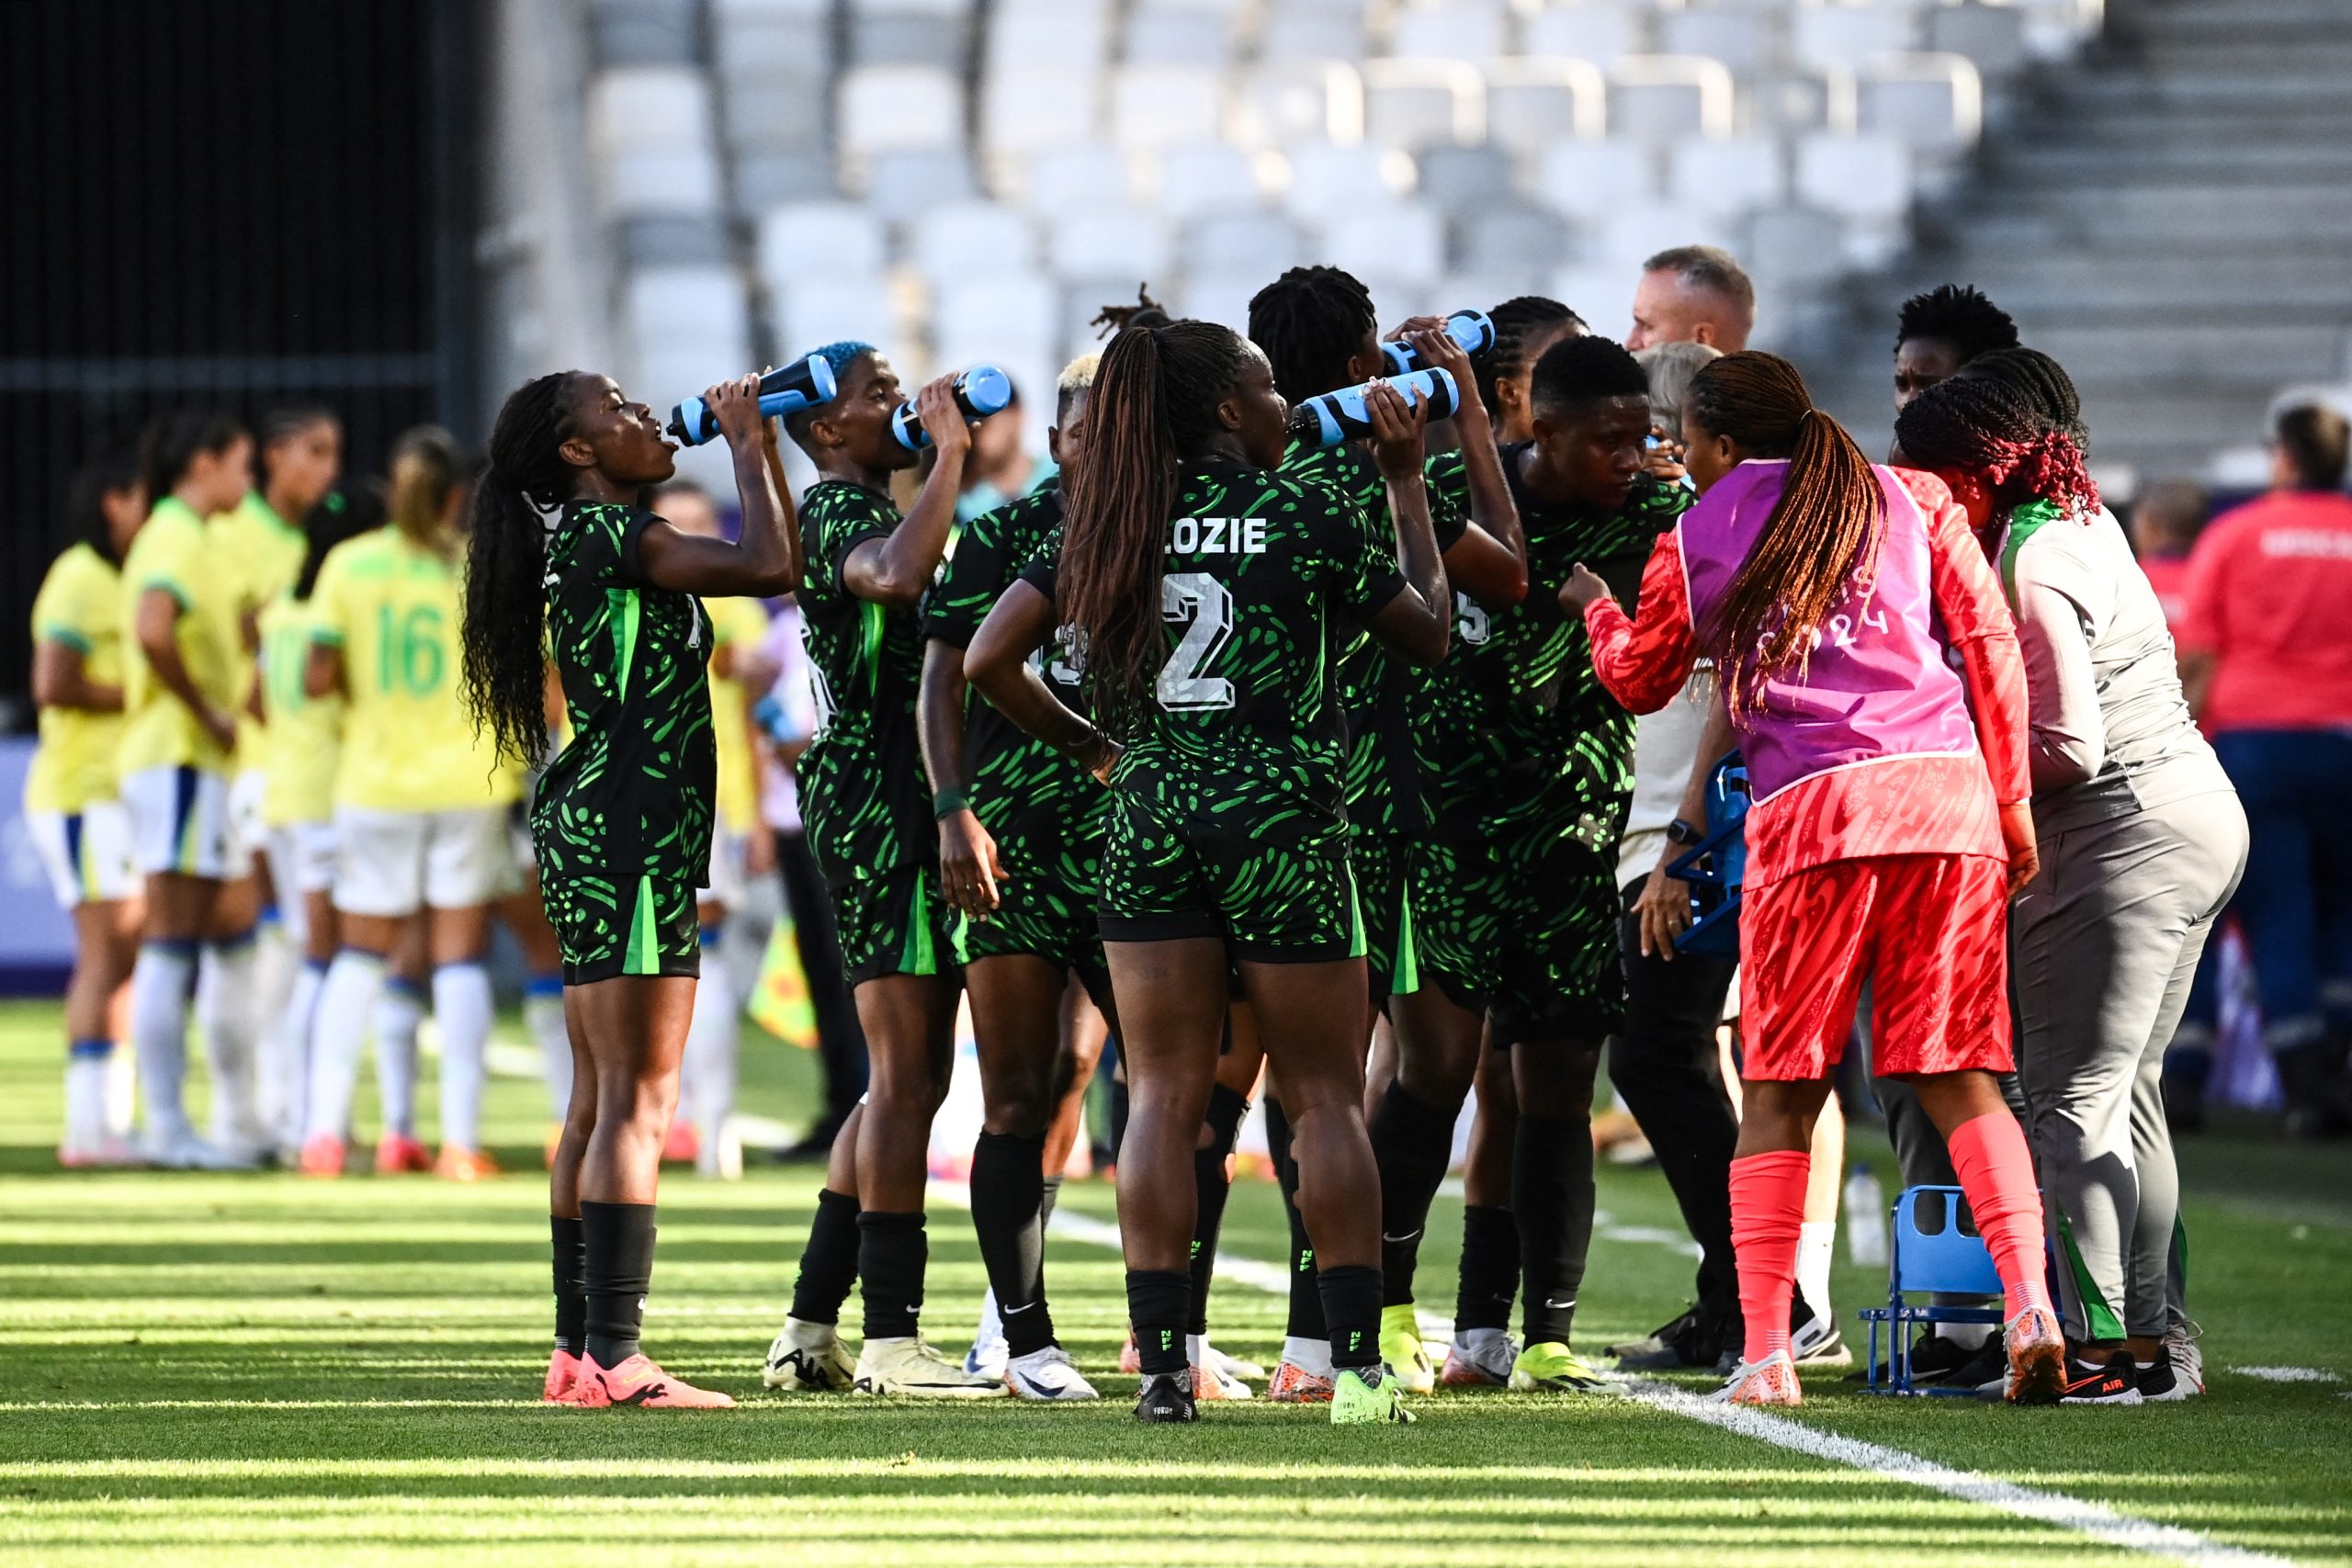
[
  {"x": 698, "y": 311},
  {"x": 1628, "y": 235},
  {"x": 1220, "y": 296},
  {"x": 1471, "y": 32},
  {"x": 650, "y": 129},
  {"x": 970, "y": 238},
  {"x": 672, "y": 239},
  {"x": 1519, "y": 243},
  {"x": 1727, "y": 178},
  {"x": 819, "y": 238},
  {"x": 813, "y": 311},
  {"x": 1539, "y": 101},
  {"x": 1011, "y": 321},
  {"x": 1416, "y": 103},
  {"x": 1794, "y": 247},
  {"x": 1602, "y": 294},
  {"x": 1109, "y": 242},
  {"x": 1931, "y": 103},
  {"x": 1665, "y": 97},
  {"x": 1066, "y": 180},
  {"x": 1026, "y": 109},
  {"x": 1746, "y": 38},
  {"x": 1328, "y": 181},
  {"x": 1602, "y": 32},
  {"x": 1467, "y": 181},
  {"x": 1991, "y": 37},
  {"x": 641, "y": 32},
  {"x": 1074, "y": 35},
  {"x": 1153, "y": 107},
  {"x": 1208, "y": 177},
  {"x": 1584, "y": 179},
  {"x": 1247, "y": 245},
  {"x": 898, "y": 108},
  {"x": 910, "y": 33},
  {"x": 1855, "y": 177},
  {"x": 901, "y": 186},
  {"x": 1315, "y": 29},
  {"x": 1183, "y": 32},
  {"x": 772, "y": 177},
  {"x": 1399, "y": 248},
  {"x": 773, "y": 111},
  {"x": 1849, "y": 37},
  {"x": 1283, "y": 103}
]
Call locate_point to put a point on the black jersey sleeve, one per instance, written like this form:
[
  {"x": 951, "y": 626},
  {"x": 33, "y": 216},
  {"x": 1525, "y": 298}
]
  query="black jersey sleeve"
[
  {"x": 835, "y": 518},
  {"x": 1360, "y": 563},
  {"x": 628, "y": 537}
]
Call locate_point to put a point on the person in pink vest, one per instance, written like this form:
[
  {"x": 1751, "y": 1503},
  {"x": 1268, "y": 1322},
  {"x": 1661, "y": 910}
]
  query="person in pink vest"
[{"x": 1889, "y": 828}]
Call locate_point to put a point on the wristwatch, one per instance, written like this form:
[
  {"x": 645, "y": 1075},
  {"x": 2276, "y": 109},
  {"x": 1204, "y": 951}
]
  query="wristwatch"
[{"x": 1680, "y": 832}]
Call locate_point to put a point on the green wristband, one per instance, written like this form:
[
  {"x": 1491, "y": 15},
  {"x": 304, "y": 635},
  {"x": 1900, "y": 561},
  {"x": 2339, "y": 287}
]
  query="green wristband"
[{"x": 949, "y": 801}]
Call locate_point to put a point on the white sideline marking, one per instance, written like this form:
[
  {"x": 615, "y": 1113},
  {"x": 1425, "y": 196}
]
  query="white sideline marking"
[
  {"x": 2287, "y": 1374},
  {"x": 2094, "y": 1520}
]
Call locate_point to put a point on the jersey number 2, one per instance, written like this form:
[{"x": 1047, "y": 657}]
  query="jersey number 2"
[{"x": 1199, "y": 604}]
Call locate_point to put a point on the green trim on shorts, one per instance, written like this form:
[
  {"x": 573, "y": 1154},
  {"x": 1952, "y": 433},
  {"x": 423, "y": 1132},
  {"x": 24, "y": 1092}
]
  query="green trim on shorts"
[
  {"x": 2098, "y": 1317},
  {"x": 1358, "y": 947},
  {"x": 917, "y": 956},
  {"x": 1405, "y": 975},
  {"x": 643, "y": 954}
]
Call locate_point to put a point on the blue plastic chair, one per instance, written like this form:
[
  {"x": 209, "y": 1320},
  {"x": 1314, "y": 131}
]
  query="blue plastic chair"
[
  {"x": 1950, "y": 1260},
  {"x": 1716, "y": 864}
]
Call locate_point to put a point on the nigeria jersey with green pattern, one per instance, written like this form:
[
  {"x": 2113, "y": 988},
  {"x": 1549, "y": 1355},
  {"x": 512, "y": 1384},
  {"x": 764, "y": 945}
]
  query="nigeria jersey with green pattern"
[
  {"x": 863, "y": 794},
  {"x": 621, "y": 820},
  {"x": 1377, "y": 689},
  {"x": 1516, "y": 722},
  {"x": 1018, "y": 781},
  {"x": 1267, "y": 581}
]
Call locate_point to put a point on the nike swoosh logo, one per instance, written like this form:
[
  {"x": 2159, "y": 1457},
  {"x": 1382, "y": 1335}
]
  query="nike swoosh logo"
[
  {"x": 1399, "y": 1240},
  {"x": 1015, "y": 1312},
  {"x": 1550, "y": 1305}
]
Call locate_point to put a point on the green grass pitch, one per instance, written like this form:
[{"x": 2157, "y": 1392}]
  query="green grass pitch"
[{"x": 261, "y": 1370}]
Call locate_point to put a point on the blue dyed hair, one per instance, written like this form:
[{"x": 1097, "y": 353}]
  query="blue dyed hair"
[{"x": 839, "y": 355}]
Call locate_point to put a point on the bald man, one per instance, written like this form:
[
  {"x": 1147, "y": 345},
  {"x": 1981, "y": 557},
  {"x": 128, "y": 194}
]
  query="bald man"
[{"x": 1693, "y": 294}]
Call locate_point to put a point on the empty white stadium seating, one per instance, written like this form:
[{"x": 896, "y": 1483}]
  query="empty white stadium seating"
[
  {"x": 898, "y": 108},
  {"x": 1184, "y": 32},
  {"x": 819, "y": 238},
  {"x": 910, "y": 33},
  {"x": 1155, "y": 106},
  {"x": 1070, "y": 180},
  {"x": 1539, "y": 101},
  {"x": 1586, "y": 179},
  {"x": 970, "y": 239},
  {"x": 1601, "y": 31},
  {"x": 1850, "y": 35},
  {"x": 817, "y": 310},
  {"x": 1473, "y": 32},
  {"x": 1421, "y": 102},
  {"x": 1109, "y": 242},
  {"x": 1245, "y": 244},
  {"x": 1931, "y": 103},
  {"x": 650, "y": 127},
  {"x": 1326, "y": 180},
  {"x": 1208, "y": 177},
  {"x": 1399, "y": 249},
  {"x": 899, "y": 187},
  {"x": 1665, "y": 97},
  {"x": 1746, "y": 38},
  {"x": 1284, "y": 102},
  {"x": 1316, "y": 29},
  {"x": 1855, "y": 176},
  {"x": 1725, "y": 178}
]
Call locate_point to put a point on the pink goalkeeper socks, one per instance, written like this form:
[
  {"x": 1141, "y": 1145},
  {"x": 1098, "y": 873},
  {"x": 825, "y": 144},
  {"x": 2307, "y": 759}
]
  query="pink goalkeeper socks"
[
  {"x": 1767, "y": 1215},
  {"x": 1995, "y": 1171}
]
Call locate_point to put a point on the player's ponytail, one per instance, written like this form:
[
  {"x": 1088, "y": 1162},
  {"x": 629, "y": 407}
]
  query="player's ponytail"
[
  {"x": 426, "y": 469},
  {"x": 506, "y": 622},
  {"x": 1153, "y": 405},
  {"x": 2006, "y": 427},
  {"x": 1823, "y": 532}
]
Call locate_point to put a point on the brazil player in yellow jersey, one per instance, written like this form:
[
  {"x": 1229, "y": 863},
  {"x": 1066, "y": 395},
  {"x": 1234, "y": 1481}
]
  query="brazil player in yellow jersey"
[
  {"x": 183, "y": 675},
  {"x": 73, "y": 804},
  {"x": 300, "y": 737},
  {"x": 739, "y": 852},
  {"x": 420, "y": 803}
]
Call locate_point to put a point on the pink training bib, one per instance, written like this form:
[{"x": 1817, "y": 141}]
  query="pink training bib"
[{"x": 1878, "y": 684}]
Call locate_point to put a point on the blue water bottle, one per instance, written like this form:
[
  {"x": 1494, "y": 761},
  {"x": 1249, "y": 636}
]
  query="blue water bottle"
[
  {"x": 1340, "y": 416},
  {"x": 783, "y": 391},
  {"x": 980, "y": 391},
  {"x": 1471, "y": 329}
]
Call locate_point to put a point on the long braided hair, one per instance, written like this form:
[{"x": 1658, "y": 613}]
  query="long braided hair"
[
  {"x": 1823, "y": 536},
  {"x": 1311, "y": 321},
  {"x": 2004, "y": 427},
  {"x": 1154, "y": 404},
  {"x": 1518, "y": 323},
  {"x": 505, "y": 620}
]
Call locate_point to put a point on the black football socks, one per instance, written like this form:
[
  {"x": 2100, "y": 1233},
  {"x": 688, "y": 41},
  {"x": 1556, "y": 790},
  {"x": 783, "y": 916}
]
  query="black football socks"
[
  {"x": 1412, "y": 1143},
  {"x": 617, "y": 1270},
  {"x": 1552, "y": 1198},
  {"x": 1211, "y": 1186},
  {"x": 828, "y": 1260},
  {"x": 1158, "y": 1307},
  {"x": 1489, "y": 1269},
  {"x": 1306, "y": 1299},
  {"x": 570, "y": 1250},
  {"x": 1008, "y": 1204},
  {"x": 891, "y": 1254},
  {"x": 1351, "y": 1306}
]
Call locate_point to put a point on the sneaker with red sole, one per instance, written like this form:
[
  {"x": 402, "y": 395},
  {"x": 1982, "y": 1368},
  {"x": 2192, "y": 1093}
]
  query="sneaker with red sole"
[
  {"x": 2115, "y": 1381},
  {"x": 2037, "y": 1351},
  {"x": 1294, "y": 1385},
  {"x": 640, "y": 1384},
  {"x": 464, "y": 1165},
  {"x": 563, "y": 1379},
  {"x": 397, "y": 1153},
  {"x": 1773, "y": 1381},
  {"x": 322, "y": 1155}
]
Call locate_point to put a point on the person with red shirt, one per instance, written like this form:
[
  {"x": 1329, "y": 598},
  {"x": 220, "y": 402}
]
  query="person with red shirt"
[
  {"x": 2266, "y": 661},
  {"x": 1889, "y": 827}
]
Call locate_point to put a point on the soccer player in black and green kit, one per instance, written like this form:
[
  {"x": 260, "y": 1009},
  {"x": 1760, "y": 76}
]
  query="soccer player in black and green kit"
[
  {"x": 869, "y": 823},
  {"x": 621, "y": 824},
  {"x": 1212, "y": 598},
  {"x": 1318, "y": 329},
  {"x": 1020, "y": 829},
  {"x": 1531, "y": 768}
]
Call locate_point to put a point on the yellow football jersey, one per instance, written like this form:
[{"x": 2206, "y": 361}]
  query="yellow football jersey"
[
  {"x": 408, "y": 745},
  {"x": 304, "y": 734},
  {"x": 79, "y": 605},
  {"x": 176, "y": 552},
  {"x": 265, "y": 552},
  {"x": 739, "y": 624}
]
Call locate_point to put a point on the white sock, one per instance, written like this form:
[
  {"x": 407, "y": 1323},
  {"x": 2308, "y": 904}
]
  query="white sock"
[
  {"x": 712, "y": 1036},
  {"x": 399, "y": 1008},
  {"x": 338, "y": 1033},
  {"x": 159, "y": 982},
  {"x": 543, "y": 1012},
  {"x": 1967, "y": 1335},
  {"x": 1477, "y": 1339},
  {"x": 225, "y": 1018},
  {"x": 1309, "y": 1356},
  {"x": 1816, "y": 1241},
  {"x": 286, "y": 1060},
  {"x": 461, "y": 1005},
  {"x": 88, "y": 1063}
]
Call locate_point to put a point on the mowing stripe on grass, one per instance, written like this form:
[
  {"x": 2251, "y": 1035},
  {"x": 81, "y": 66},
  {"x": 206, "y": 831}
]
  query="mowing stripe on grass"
[{"x": 2094, "y": 1520}]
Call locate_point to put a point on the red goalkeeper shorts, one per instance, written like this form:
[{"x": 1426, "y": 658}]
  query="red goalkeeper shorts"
[{"x": 1929, "y": 932}]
